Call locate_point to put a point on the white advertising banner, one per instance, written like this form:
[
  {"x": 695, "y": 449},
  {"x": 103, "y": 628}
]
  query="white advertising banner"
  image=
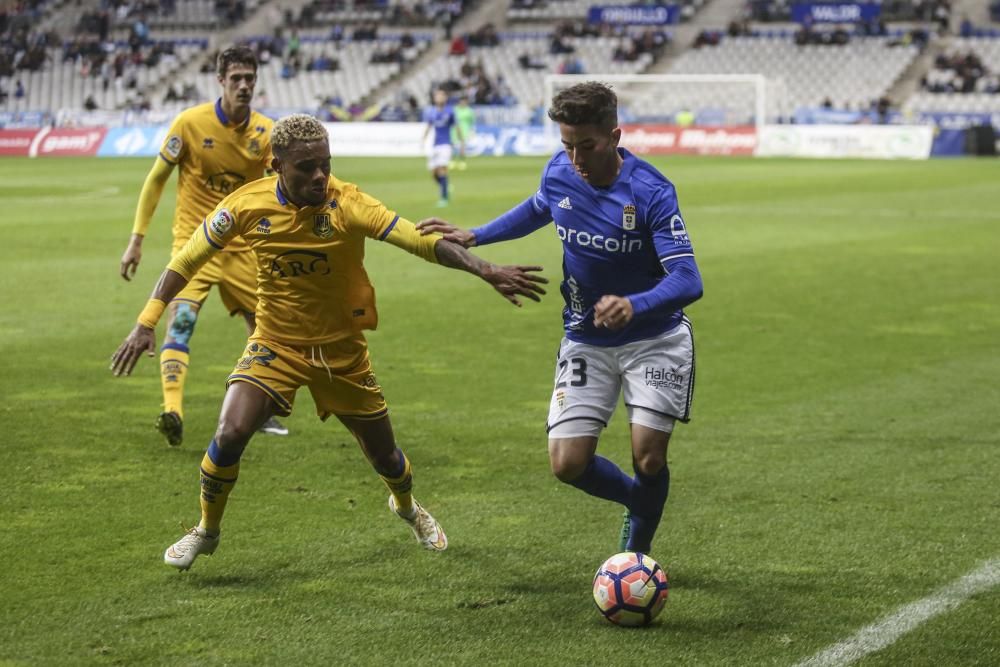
[
  {"x": 407, "y": 140},
  {"x": 887, "y": 142},
  {"x": 377, "y": 139}
]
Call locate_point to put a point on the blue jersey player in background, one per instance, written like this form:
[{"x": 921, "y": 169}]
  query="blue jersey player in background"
[
  {"x": 628, "y": 272},
  {"x": 441, "y": 119}
]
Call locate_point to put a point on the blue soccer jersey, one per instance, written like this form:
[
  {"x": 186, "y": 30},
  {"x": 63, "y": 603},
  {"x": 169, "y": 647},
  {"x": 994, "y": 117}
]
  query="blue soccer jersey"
[
  {"x": 442, "y": 120},
  {"x": 616, "y": 241}
]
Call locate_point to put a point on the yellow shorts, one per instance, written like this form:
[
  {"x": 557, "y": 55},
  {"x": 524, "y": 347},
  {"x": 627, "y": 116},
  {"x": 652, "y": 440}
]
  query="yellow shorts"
[
  {"x": 235, "y": 273},
  {"x": 339, "y": 376}
]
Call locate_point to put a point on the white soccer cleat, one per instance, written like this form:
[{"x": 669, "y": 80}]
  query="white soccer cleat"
[
  {"x": 425, "y": 527},
  {"x": 181, "y": 554},
  {"x": 273, "y": 427}
]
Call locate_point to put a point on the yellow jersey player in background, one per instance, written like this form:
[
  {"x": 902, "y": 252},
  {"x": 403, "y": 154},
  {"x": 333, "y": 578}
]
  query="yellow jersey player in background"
[
  {"x": 219, "y": 146},
  {"x": 307, "y": 230}
]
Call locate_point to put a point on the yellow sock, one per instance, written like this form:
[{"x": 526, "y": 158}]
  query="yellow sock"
[
  {"x": 216, "y": 483},
  {"x": 173, "y": 372},
  {"x": 401, "y": 487}
]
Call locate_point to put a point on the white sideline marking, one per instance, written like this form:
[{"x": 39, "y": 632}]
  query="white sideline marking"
[{"x": 877, "y": 636}]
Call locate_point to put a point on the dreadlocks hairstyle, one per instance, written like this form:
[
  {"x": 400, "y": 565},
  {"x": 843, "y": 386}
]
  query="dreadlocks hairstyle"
[
  {"x": 297, "y": 127},
  {"x": 589, "y": 103},
  {"x": 235, "y": 55}
]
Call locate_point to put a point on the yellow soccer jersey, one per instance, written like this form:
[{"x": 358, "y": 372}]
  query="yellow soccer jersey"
[
  {"x": 312, "y": 286},
  {"x": 215, "y": 158}
]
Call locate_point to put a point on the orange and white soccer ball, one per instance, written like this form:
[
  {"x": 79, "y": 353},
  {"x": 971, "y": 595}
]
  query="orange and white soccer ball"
[{"x": 630, "y": 589}]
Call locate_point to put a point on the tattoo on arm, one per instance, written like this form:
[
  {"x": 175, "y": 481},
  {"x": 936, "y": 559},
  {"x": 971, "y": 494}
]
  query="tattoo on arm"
[{"x": 455, "y": 256}]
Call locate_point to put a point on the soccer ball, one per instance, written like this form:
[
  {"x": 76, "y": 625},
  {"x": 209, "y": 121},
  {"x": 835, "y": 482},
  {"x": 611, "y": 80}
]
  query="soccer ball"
[{"x": 630, "y": 589}]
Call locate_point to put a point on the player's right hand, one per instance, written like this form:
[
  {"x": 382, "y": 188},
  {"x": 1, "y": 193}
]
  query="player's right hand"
[
  {"x": 450, "y": 232},
  {"x": 515, "y": 280},
  {"x": 131, "y": 257},
  {"x": 141, "y": 339}
]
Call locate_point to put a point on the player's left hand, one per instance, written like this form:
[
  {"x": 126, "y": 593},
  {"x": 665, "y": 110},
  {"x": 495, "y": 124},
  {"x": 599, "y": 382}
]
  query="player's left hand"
[
  {"x": 514, "y": 281},
  {"x": 612, "y": 312},
  {"x": 141, "y": 339},
  {"x": 448, "y": 231}
]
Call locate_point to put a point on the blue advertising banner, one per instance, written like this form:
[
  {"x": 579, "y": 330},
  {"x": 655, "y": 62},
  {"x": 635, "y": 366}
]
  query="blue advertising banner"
[
  {"x": 138, "y": 140},
  {"x": 634, "y": 14},
  {"x": 945, "y": 120},
  {"x": 959, "y": 121},
  {"x": 948, "y": 143},
  {"x": 835, "y": 12},
  {"x": 511, "y": 140}
]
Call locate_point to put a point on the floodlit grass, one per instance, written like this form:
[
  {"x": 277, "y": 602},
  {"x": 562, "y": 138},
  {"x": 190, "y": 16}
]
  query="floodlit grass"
[{"x": 843, "y": 459}]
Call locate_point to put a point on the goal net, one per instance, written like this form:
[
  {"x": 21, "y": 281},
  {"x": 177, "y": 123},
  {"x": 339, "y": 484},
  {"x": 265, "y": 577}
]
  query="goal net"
[{"x": 687, "y": 113}]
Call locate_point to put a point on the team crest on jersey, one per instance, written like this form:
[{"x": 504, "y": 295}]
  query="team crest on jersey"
[
  {"x": 173, "y": 146},
  {"x": 222, "y": 222},
  {"x": 679, "y": 231},
  {"x": 628, "y": 217},
  {"x": 561, "y": 399},
  {"x": 256, "y": 354},
  {"x": 321, "y": 226},
  {"x": 254, "y": 147}
]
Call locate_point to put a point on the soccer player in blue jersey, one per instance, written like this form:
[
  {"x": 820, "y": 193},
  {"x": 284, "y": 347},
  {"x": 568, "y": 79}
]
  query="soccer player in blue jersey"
[
  {"x": 441, "y": 120},
  {"x": 628, "y": 272}
]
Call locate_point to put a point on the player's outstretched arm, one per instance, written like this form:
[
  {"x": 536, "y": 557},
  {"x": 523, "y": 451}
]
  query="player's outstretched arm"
[
  {"x": 525, "y": 218},
  {"x": 142, "y": 338},
  {"x": 510, "y": 281},
  {"x": 152, "y": 190},
  {"x": 448, "y": 231}
]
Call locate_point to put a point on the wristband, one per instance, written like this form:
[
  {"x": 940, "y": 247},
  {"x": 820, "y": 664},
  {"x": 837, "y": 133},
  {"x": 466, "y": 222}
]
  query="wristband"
[{"x": 151, "y": 314}]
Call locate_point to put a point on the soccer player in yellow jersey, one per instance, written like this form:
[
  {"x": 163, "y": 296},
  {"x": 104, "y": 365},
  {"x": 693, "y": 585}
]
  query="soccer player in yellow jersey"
[
  {"x": 307, "y": 230},
  {"x": 219, "y": 147}
]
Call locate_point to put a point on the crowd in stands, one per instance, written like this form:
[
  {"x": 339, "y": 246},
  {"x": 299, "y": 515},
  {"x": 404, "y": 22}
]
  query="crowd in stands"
[
  {"x": 810, "y": 34},
  {"x": 484, "y": 36},
  {"x": 629, "y": 49},
  {"x": 188, "y": 93},
  {"x": 474, "y": 83},
  {"x": 21, "y": 46},
  {"x": 94, "y": 53},
  {"x": 403, "y": 51},
  {"x": 91, "y": 50},
  {"x": 961, "y": 73},
  {"x": 123, "y": 12}
]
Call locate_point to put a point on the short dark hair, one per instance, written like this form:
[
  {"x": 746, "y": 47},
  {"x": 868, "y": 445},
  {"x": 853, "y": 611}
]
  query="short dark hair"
[
  {"x": 235, "y": 55},
  {"x": 589, "y": 103}
]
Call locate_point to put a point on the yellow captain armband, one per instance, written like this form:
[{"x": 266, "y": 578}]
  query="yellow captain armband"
[{"x": 151, "y": 314}]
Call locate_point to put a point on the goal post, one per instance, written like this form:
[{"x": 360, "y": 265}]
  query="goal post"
[
  {"x": 713, "y": 99},
  {"x": 687, "y": 113}
]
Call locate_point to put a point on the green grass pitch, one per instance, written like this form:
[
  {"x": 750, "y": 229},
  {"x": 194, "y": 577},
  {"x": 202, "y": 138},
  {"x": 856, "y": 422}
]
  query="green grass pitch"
[{"x": 843, "y": 459}]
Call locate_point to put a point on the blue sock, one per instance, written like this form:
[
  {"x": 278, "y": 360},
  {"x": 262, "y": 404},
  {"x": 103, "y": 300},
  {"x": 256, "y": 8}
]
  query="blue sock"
[
  {"x": 649, "y": 495},
  {"x": 221, "y": 458},
  {"x": 400, "y": 467},
  {"x": 443, "y": 181},
  {"x": 604, "y": 479}
]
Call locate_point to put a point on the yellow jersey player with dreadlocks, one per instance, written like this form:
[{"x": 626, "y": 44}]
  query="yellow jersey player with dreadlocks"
[{"x": 307, "y": 230}]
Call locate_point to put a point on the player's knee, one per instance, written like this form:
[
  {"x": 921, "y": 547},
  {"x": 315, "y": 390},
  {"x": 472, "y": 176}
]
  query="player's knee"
[
  {"x": 183, "y": 323},
  {"x": 566, "y": 466},
  {"x": 649, "y": 463},
  {"x": 232, "y": 435}
]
